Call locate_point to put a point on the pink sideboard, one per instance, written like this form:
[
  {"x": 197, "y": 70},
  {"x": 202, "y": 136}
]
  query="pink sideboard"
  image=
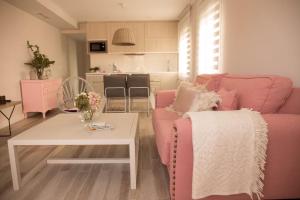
[{"x": 39, "y": 95}]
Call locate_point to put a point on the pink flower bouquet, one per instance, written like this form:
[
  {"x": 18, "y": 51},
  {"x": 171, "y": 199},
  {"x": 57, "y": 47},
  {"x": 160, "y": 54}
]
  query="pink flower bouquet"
[{"x": 88, "y": 104}]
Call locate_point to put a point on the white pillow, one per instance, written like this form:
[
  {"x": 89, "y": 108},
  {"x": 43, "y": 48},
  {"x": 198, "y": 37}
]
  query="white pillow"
[{"x": 185, "y": 96}]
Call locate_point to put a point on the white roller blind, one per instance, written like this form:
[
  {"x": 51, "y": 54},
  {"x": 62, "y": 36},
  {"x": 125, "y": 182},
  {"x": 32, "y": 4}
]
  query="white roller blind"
[
  {"x": 184, "y": 31},
  {"x": 208, "y": 46}
]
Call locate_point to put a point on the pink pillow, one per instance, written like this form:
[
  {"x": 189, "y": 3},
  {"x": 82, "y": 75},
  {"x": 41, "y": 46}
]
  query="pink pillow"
[
  {"x": 261, "y": 93},
  {"x": 212, "y": 81},
  {"x": 186, "y": 93},
  {"x": 229, "y": 99}
]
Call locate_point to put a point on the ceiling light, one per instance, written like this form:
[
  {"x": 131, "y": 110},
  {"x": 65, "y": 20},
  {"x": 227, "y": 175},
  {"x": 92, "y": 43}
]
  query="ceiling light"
[{"x": 123, "y": 37}]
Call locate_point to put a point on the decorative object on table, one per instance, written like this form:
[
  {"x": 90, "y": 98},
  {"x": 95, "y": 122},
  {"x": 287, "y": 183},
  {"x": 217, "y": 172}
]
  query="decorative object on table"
[
  {"x": 94, "y": 69},
  {"x": 88, "y": 104},
  {"x": 32, "y": 75},
  {"x": 99, "y": 126},
  {"x": 47, "y": 73},
  {"x": 2, "y": 100},
  {"x": 69, "y": 90},
  {"x": 40, "y": 61}
]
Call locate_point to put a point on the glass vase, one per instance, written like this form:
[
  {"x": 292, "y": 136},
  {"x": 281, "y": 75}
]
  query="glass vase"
[{"x": 87, "y": 116}]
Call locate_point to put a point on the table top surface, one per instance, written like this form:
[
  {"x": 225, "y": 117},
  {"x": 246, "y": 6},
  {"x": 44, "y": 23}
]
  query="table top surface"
[
  {"x": 67, "y": 129},
  {"x": 9, "y": 104}
]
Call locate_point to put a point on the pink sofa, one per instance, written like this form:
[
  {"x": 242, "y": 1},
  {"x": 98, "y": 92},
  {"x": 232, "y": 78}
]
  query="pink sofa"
[{"x": 279, "y": 103}]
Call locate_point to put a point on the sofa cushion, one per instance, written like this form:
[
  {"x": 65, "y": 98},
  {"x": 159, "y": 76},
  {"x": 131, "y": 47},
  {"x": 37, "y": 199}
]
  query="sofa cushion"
[
  {"x": 164, "y": 98},
  {"x": 229, "y": 100},
  {"x": 212, "y": 81},
  {"x": 261, "y": 93},
  {"x": 185, "y": 96}
]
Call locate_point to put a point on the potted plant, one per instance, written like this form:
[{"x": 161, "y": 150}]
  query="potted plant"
[{"x": 40, "y": 61}]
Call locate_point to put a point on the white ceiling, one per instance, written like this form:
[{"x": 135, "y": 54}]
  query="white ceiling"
[
  {"x": 47, "y": 11},
  {"x": 121, "y": 10}
]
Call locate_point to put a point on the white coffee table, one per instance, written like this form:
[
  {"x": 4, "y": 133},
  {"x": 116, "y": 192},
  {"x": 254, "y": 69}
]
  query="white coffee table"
[{"x": 66, "y": 129}]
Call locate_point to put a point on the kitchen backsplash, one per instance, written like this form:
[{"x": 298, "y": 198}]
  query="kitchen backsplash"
[{"x": 156, "y": 62}]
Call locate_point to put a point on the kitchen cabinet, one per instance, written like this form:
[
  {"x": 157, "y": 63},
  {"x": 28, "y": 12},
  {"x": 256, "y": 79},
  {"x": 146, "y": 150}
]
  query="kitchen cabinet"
[
  {"x": 96, "y": 31},
  {"x": 161, "y": 37},
  {"x": 39, "y": 95},
  {"x": 155, "y": 82},
  {"x": 163, "y": 81},
  {"x": 138, "y": 29},
  {"x": 152, "y": 37}
]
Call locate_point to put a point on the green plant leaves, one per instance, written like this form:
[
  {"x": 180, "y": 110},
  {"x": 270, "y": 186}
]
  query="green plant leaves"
[{"x": 39, "y": 61}]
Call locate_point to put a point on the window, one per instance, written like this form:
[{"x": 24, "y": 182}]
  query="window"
[
  {"x": 209, "y": 37},
  {"x": 184, "y": 30}
]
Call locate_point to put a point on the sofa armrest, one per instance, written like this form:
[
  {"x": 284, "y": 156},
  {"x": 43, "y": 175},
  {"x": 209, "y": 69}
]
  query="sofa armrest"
[
  {"x": 282, "y": 172},
  {"x": 164, "y": 98},
  {"x": 181, "y": 160}
]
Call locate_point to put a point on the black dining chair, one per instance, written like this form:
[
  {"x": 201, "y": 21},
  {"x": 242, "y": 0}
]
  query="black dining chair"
[
  {"x": 115, "y": 88},
  {"x": 138, "y": 86}
]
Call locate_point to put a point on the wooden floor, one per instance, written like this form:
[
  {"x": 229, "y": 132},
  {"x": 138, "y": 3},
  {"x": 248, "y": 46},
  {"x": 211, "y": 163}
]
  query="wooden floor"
[{"x": 101, "y": 182}]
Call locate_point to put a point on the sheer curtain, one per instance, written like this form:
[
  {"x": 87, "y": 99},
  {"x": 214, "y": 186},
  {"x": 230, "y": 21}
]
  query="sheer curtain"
[
  {"x": 184, "y": 47},
  {"x": 208, "y": 36}
]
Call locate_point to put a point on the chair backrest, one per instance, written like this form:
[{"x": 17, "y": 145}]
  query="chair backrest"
[
  {"x": 115, "y": 85},
  {"x": 138, "y": 84},
  {"x": 69, "y": 90}
]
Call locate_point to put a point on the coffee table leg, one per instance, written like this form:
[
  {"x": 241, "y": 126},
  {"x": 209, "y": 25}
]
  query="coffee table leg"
[
  {"x": 132, "y": 164},
  {"x": 14, "y": 165}
]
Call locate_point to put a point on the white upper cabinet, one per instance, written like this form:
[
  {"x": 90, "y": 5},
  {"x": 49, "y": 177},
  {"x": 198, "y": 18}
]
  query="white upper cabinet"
[
  {"x": 153, "y": 37},
  {"x": 96, "y": 31},
  {"x": 161, "y": 36}
]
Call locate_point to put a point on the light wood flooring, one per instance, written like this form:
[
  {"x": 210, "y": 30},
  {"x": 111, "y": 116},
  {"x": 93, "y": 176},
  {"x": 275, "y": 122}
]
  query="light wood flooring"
[{"x": 93, "y": 182}]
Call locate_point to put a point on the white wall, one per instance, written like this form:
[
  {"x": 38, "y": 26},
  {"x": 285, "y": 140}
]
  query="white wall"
[
  {"x": 83, "y": 60},
  {"x": 156, "y": 62},
  {"x": 17, "y": 27},
  {"x": 262, "y": 37},
  {"x": 72, "y": 58}
]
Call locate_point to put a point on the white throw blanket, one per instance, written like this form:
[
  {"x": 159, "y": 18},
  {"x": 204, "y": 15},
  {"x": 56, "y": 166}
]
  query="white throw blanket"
[{"x": 229, "y": 152}]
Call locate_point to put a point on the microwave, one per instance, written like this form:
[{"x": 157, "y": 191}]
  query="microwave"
[{"x": 97, "y": 46}]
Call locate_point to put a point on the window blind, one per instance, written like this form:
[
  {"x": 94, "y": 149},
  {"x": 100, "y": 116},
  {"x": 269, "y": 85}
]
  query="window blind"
[
  {"x": 184, "y": 30},
  {"x": 209, "y": 37}
]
